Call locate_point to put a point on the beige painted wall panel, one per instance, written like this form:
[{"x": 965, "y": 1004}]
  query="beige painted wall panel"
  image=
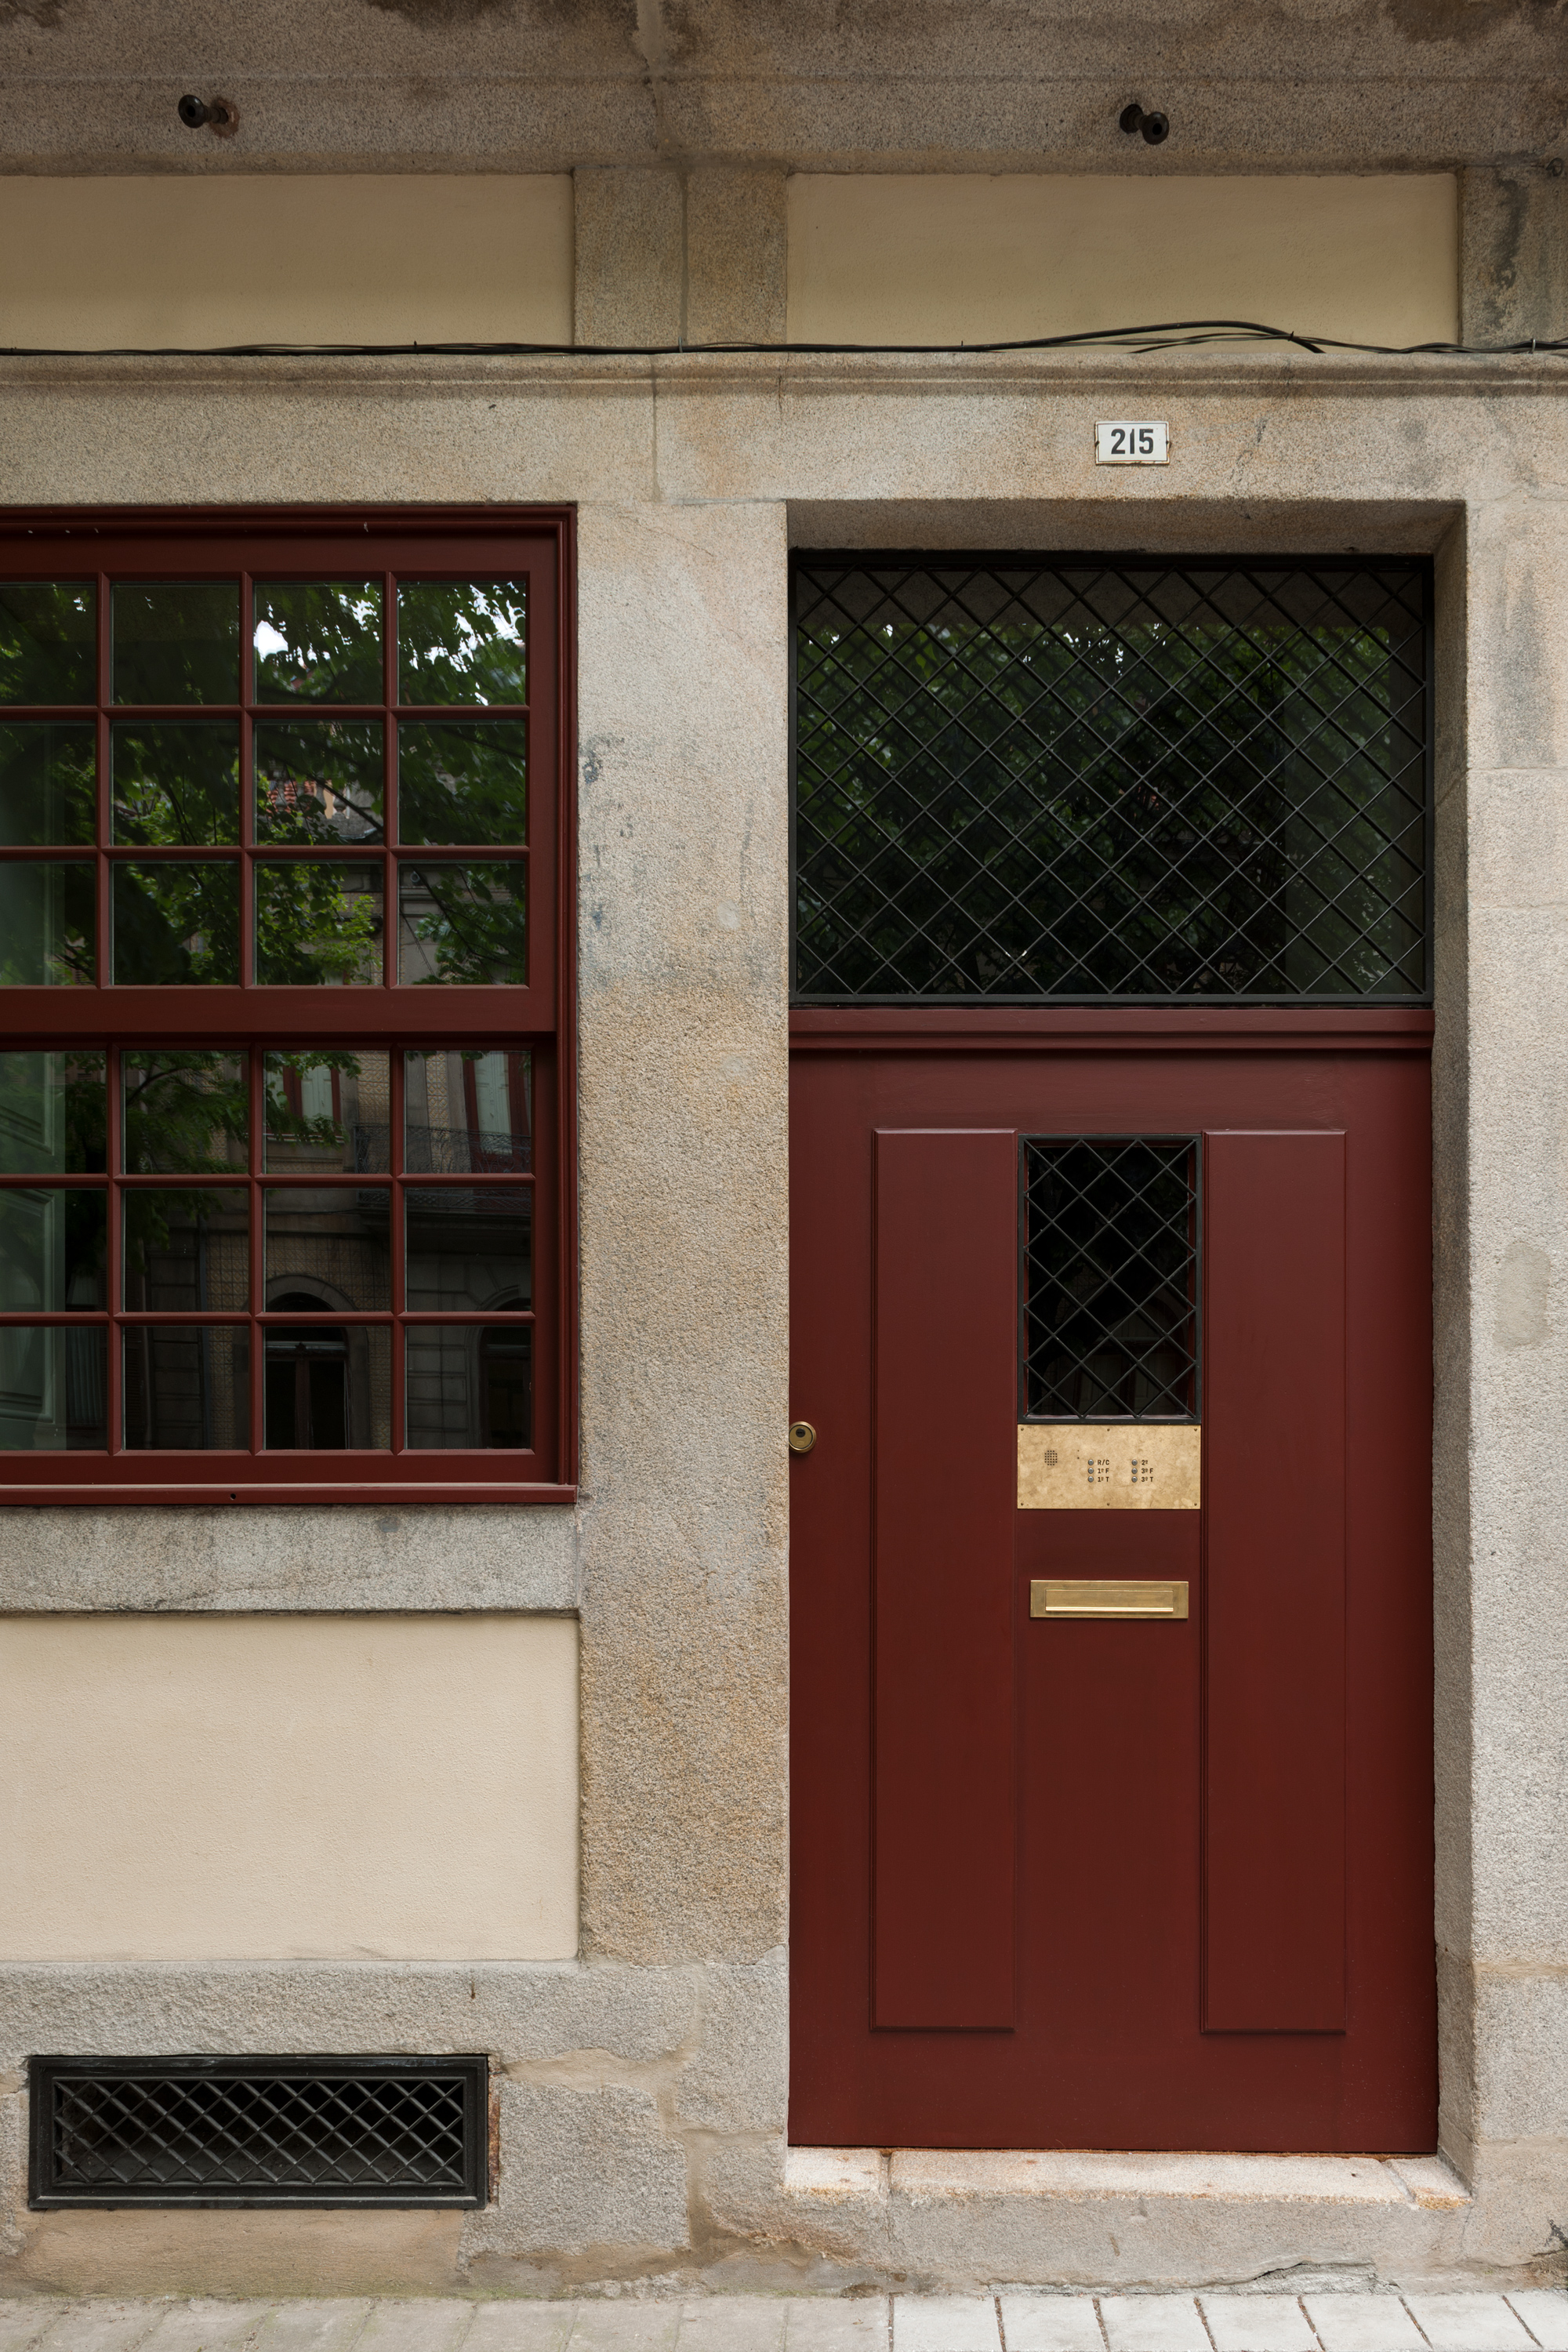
[
  {"x": 932, "y": 259},
  {"x": 188, "y": 264},
  {"x": 189, "y": 1788}
]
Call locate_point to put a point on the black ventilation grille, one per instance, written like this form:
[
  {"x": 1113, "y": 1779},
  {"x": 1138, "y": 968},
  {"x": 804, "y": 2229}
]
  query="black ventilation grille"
[
  {"x": 260, "y": 2131},
  {"x": 1109, "y": 1305},
  {"x": 1200, "y": 781}
]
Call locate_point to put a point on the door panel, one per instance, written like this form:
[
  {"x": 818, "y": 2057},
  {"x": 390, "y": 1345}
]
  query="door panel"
[
  {"x": 1109, "y": 2044},
  {"x": 946, "y": 1308},
  {"x": 1274, "y": 1718}
]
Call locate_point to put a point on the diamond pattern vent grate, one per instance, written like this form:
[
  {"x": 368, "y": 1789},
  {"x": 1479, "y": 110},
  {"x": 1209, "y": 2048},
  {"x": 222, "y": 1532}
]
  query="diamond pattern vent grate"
[
  {"x": 337, "y": 2131},
  {"x": 1084, "y": 781},
  {"x": 1111, "y": 1279}
]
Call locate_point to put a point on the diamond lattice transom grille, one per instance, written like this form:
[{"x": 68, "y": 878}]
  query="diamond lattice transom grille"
[
  {"x": 1089, "y": 782},
  {"x": 1111, "y": 1279},
  {"x": 346, "y": 2132}
]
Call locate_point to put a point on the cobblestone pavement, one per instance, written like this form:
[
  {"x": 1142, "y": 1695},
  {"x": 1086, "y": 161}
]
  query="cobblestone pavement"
[{"x": 1008, "y": 2321}]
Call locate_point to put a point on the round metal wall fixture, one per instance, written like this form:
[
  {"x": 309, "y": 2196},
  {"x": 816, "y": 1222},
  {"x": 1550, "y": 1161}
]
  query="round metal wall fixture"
[
  {"x": 218, "y": 115},
  {"x": 1155, "y": 128}
]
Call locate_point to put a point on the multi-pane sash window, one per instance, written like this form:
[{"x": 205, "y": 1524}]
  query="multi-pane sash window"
[{"x": 282, "y": 919}]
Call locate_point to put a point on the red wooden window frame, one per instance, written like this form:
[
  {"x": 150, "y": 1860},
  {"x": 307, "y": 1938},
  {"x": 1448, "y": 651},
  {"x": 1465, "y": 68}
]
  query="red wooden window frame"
[{"x": 296, "y": 543}]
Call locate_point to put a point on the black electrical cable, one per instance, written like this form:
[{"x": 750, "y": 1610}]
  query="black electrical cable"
[{"x": 1172, "y": 335}]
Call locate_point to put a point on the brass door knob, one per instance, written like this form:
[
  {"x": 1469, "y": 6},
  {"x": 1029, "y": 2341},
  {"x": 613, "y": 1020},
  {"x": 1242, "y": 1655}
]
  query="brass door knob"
[{"x": 802, "y": 1437}]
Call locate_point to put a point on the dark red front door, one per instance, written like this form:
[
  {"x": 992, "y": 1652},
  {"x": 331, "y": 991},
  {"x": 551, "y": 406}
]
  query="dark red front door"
[{"x": 1153, "y": 1882}]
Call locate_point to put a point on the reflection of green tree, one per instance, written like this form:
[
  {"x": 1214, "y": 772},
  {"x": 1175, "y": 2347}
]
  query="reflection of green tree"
[
  {"x": 994, "y": 802},
  {"x": 332, "y": 642},
  {"x": 48, "y": 640},
  {"x": 462, "y": 641},
  {"x": 176, "y": 784},
  {"x": 176, "y": 922},
  {"x": 477, "y": 930},
  {"x": 315, "y": 923},
  {"x": 462, "y": 783},
  {"x": 176, "y": 640}
]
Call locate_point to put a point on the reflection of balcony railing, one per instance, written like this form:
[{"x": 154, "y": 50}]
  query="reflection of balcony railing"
[
  {"x": 432, "y": 1151},
  {"x": 458, "y": 1152}
]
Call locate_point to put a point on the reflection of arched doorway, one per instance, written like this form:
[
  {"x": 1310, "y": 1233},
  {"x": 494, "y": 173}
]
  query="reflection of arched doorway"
[
  {"x": 505, "y": 1384},
  {"x": 307, "y": 1379}
]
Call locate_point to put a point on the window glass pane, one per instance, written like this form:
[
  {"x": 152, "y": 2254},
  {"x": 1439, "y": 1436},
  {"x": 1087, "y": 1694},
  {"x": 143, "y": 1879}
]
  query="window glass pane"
[
  {"x": 48, "y": 640},
  {"x": 467, "y": 1384},
  {"x": 52, "y": 1114},
  {"x": 462, "y": 782},
  {"x": 175, "y": 784},
  {"x": 318, "y": 923},
  {"x": 327, "y": 1109},
  {"x": 186, "y": 1113},
  {"x": 176, "y": 922},
  {"x": 465, "y": 1111},
  {"x": 52, "y": 1250},
  {"x": 462, "y": 641},
  {"x": 319, "y": 780},
  {"x": 317, "y": 640},
  {"x": 469, "y": 1253},
  {"x": 188, "y": 1385},
  {"x": 54, "y": 1386},
  {"x": 48, "y": 782},
  {"x": 176, "y": 641},
  {"x": 327, "y": 1250},
  {"x": 466, "y": 923},
  {"x": 329, "y": 1385},
  {"x": 186, "y": 1251},
  {"x": 48, "y": 924}
]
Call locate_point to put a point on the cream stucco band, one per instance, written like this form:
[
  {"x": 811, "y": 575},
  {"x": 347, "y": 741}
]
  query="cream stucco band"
[
  {"x": 354, "y": 1788},
  {"x": 210, "y": 261}
]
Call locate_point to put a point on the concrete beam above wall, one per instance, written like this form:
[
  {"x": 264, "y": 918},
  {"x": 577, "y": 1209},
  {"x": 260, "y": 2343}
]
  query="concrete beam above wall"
[{"x": 913, "y": 85}]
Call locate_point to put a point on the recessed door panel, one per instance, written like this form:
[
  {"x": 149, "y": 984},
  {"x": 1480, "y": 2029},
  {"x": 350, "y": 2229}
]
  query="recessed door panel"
[
  {"x": 1274, "y": 1718},
  {"x": 946, "y": 1311}
]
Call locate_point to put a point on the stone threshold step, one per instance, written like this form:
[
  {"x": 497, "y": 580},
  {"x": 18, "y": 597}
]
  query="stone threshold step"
[{"x": 839, "y": 2175}]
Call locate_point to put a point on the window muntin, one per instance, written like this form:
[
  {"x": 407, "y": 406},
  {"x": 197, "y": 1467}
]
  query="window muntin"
[
  {"x": 1086, "y": 781},
  {"x": 252, "y": 963}
]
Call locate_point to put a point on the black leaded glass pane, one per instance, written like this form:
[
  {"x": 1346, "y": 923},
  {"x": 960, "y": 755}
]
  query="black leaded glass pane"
[
  {"x": 1088, "y": 782},
  {"x": 1110, "y": 1278}
]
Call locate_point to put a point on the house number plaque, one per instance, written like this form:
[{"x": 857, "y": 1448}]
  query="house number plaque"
[{"x": 1083, "y": 1465}]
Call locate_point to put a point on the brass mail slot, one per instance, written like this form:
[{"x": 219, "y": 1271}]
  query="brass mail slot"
[{"x": 1105, "y": 1596}]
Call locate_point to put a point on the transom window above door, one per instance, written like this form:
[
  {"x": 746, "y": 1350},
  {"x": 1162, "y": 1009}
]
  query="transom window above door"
[
  {"x": 1086, "y": 780},
  {"x": 282, "y": 924}
]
